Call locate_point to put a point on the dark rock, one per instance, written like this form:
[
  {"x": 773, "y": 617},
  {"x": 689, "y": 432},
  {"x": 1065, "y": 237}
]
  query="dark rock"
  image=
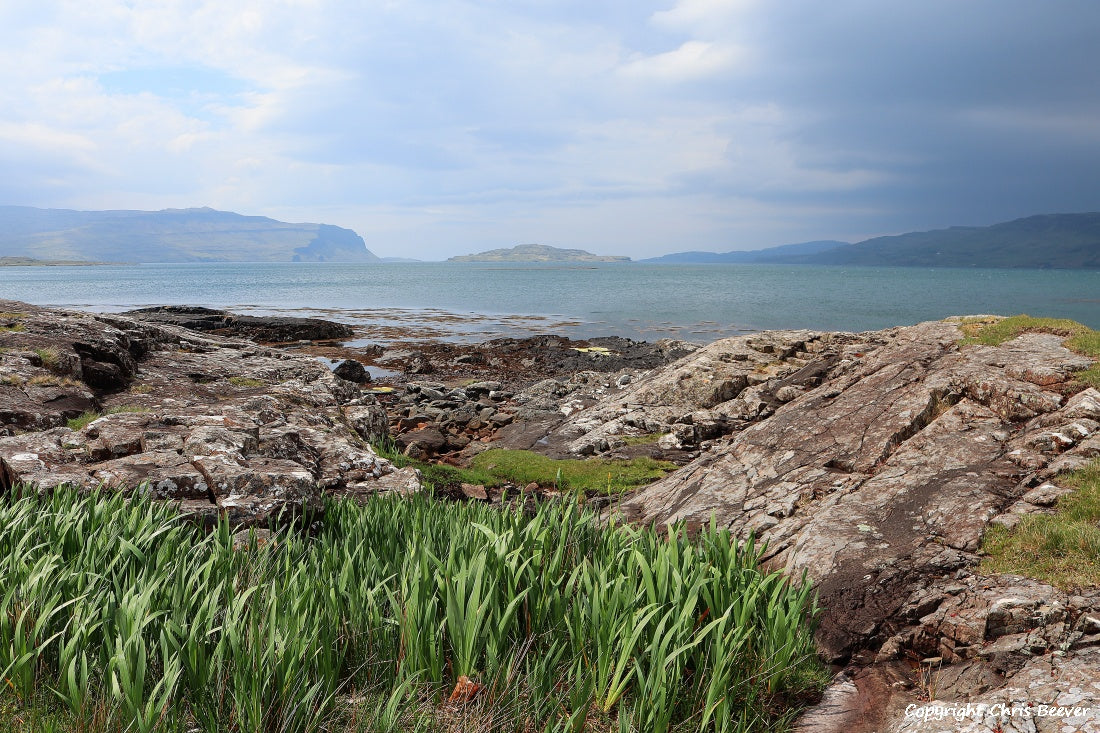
[
  {"x": 265, "y": 329},
  {"x": 419, "y": 364},
  {"x": 428, "y": 440},
  {"x": 353, "y": 371}
]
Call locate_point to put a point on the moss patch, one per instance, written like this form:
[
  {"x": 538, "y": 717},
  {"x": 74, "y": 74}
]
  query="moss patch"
[{"x": 1063, "y": 548}]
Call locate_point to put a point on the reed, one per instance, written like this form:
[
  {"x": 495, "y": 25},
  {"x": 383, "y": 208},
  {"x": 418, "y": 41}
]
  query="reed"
[{"x": 400, "y": 614}]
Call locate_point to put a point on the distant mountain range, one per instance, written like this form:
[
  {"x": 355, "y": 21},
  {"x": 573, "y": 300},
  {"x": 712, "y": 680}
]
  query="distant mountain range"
[
  {"x": 536, "y": 253},
  {"x": 772, "y": 254},
  {"x": 1048, "y": 241},
  {"x": 172, "y": 235}
]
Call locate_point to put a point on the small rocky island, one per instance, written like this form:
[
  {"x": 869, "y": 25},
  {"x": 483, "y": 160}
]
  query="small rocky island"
[
  {"x": 873, "y": 463},
  {"x": 537, "y": 253}
]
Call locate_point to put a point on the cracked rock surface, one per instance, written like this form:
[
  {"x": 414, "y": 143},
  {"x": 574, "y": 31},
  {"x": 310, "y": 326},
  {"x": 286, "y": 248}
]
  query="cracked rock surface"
[
  {"x": 874, "y": 463},
  {"x": 221, "y": 426}
]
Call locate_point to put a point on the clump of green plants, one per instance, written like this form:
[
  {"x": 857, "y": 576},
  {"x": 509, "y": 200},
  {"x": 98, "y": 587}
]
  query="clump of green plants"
[
  {"x": 400, "y": 614},
  {"x": 1061, "y": 548},
  {"x": 1079, "y": 337},
  {"x": 12, "y": 380},
  {"x": 10, "y": 321},
  {"x": 48, "y": 357},
  {"x": 82, "y": 420},
  {"x": 995, "y": 331}
]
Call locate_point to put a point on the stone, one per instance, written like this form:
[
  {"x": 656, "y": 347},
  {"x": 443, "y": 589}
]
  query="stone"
[
  {"x": 267, "y": 329},
  {"x": 477, "y": 389},
  {"x": 1045, "y": 494},
  {"x": 428, "y": 440},
  {"x": 369, "y": 421},
  {"x": 474, "y": 491},
  {"x": 353, "y": 371}
]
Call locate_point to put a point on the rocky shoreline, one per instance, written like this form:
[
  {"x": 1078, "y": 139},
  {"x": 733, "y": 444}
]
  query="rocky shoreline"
[{"x": 871, "y": 462}]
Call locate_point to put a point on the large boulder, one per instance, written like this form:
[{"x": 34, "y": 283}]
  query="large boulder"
[{"x": 877, "y": 478}]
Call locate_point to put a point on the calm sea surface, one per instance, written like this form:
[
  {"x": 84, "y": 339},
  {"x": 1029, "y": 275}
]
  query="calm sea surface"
[{"x": 473, "y": 301}]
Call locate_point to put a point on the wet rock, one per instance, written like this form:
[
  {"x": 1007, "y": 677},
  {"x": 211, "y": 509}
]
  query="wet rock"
[
  {"x": 419, "y": 364},
  {"x": 266, "y": 329},
  {"x": 353, "y": 371}
]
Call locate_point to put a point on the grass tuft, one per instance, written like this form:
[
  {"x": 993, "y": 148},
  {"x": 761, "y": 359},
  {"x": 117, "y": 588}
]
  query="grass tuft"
[
  {"x": 1063, "y": 548},
  {"x": 48, "y": 357},
  {"x": 82, "y": 420},
  {"x": 646, "y": 439}
]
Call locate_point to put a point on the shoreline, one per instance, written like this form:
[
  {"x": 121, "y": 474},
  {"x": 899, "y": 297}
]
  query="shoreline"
[{"x": 388, "y": 326}]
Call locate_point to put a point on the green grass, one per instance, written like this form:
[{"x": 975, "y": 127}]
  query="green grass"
[
  {"x": 498, "y": 467},
  {"x": 49, "y": 357},
  {"x": 994, "y": 332},
  {"x": 1063, "y": 548},
  {"x": 1079, "y": 337},
  {"x": 9, "y": 321},
  {"x": 115, "y": 615},
  {"x": 593, "y": 474},
  {"x": 82, "y": 420}
]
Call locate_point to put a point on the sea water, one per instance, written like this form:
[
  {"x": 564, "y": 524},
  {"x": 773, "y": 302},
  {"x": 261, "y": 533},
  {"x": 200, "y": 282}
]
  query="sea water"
[{"x": 470, "y": 300}]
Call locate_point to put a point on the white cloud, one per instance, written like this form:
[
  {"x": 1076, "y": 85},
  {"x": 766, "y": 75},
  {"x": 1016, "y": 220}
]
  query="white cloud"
[
  {"x": 448, "y": 124},
  {"x": 691, "y": 61}
]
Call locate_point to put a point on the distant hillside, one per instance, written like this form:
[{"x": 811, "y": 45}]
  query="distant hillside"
[
  {"x": 536, "y": 253},
  {"x": 771, "y": 254},
  {"x": 172, "y": 235},
  {"x": 1055, "y": 241},
  {"x": 1049, "y": 241}
]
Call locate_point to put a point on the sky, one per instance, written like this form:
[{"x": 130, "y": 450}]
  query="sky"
[{"x": 626, "y": 127}]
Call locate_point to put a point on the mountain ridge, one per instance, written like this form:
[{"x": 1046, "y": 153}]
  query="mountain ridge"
[
  {"x": 1042, "y": 241},
  {"x": 172, "y": 235}
]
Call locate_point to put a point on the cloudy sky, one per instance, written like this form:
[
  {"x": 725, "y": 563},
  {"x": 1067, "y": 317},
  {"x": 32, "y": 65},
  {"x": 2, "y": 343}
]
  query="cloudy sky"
[{"x": 634, "y": 127}]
